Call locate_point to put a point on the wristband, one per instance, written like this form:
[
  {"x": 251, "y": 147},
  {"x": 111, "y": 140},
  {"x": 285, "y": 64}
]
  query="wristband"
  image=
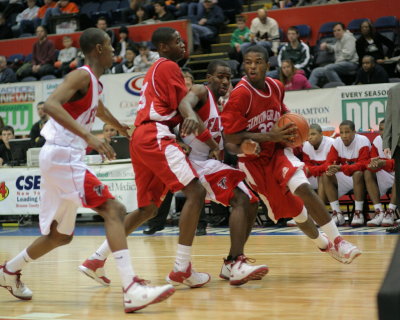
[{"x": 204, "y": 136}]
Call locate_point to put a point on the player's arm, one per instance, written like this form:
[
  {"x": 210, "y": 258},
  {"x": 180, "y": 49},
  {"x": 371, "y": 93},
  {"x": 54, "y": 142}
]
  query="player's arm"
[
  {"x": 361, "y": 164},
  {"x": 75, "y": 83},
  {"x": 106, "y": 116}
]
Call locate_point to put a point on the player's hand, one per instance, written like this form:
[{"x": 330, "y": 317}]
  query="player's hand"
[
  {"x": 249, "y": 146},
  {"x": 388, "y": 153},
  {"x": 186, "y": 148},
  {"x": 215, "y": 154},
  {"x": 190, "y": 125},
  {"x": 376, "y": 163},
  {"x": 102, "y": 147},
  {"x": 333, "y": 169},
  {"x": 285, "y": 134}
]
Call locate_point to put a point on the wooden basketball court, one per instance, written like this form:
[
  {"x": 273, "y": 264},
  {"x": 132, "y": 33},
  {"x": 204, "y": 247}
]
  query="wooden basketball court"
[{"x": 302, "y": 283}]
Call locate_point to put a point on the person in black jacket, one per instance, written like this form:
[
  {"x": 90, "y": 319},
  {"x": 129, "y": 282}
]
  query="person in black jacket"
[
  {"x": 370, "y": 72},
  {"x": 123, "y": 44},
  {"x": 371, "y": 43},
  {"x": 37, "y": 140},
  {"x": 7, "y": 75},
  {"x": 7, "y": 133}
]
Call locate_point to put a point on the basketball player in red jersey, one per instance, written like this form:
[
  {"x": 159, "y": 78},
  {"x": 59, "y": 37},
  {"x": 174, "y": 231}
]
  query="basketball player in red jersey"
[
  {"x": 275, "y": 173},
  {"x": 67, "y": 182},
  {"x": 159, "y": 162}
]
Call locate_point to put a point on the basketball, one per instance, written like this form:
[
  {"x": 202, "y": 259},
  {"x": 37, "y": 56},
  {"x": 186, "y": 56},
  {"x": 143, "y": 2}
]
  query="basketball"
[{"x": 302, "y": 127}]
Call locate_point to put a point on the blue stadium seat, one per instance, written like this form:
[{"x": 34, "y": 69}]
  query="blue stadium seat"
[
  {"x": 28, "y": 79},
  {"x": 355, "y": 25},
  {"x": 48, "y": 77},
  {"x": 304, "y": 31},
  {"x": 89, "y": 7},
  {"x": 387, "y": 26},
  {"x": 17, "y": 58},
  {"x": 105, "y": 10},
  {"x": 124, "y": 4},
  {"x": 326, "y": 30},
  {"x": 28, "y": 58}
]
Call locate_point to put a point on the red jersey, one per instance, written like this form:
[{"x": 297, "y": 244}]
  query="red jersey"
[
  {"x": 254, "y": 110},
  {"x": 354, "y": 157},
  {"x": 162, "y": 90},
  {"x": 315, "y": 159}
]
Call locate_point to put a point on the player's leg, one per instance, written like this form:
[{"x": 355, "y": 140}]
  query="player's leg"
[
  {"x": 371, "y": 184},
  {"x": 331, "y": 186},
  {"x": 385, "y": 182},
  {"x": 359, "y": 195}
]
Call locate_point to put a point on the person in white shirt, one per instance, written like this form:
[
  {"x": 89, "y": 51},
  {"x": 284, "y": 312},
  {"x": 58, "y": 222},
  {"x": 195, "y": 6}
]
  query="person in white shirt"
[
  {"x": 25, "y": 18},
  {"x": 145, "y": 58},
  {"x": 66, "y": 56}
]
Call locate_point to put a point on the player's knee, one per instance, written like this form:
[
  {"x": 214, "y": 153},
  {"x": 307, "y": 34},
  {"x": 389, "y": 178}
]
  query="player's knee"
[
  {"x": 149, "y": 212},
  {"x": 358, "y": 176},
  {"x": 304, "y": 190},
  {"x": 368, "y": 175},
  {"x": 116, "y": 210},
  {"x": 59, "y": 239},
  {"x": 240, "y": 199},
  {"x": 195, "y": 190}
]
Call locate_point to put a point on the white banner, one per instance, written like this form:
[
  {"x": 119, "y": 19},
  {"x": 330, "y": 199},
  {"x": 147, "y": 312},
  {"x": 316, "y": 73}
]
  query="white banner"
[{"x": 20, "y": 188}]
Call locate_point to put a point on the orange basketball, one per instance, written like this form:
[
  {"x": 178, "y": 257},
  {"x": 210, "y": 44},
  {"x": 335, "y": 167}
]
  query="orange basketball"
[{"x": 302, "y": 127}]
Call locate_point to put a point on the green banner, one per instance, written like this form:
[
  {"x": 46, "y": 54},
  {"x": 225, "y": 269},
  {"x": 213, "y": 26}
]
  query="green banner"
[{"x": 19, "y": 116}]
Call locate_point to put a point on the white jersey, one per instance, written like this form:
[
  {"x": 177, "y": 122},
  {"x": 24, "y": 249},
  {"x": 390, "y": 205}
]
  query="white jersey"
[
  {"x": 209, "y": 114},
  {"x": 378, "y": 144},
  {"x": 320, "y": 154},
  {"x": 83, "y": 111}
]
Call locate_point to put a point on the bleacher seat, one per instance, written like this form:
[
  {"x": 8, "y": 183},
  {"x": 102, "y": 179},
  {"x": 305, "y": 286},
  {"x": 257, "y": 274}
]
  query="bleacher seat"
[
  {"x": 48, "y": 77},
  {"x": 28, "y": 79},
  {"x": 89, "y": 7},
  {"x": 333, "y": 84},
  {"x": 15, "y": 61},
  {"x": 326, "y": 30},
  {"x": 28, "y": 58},
  {"x": 387, "y": 26},
  {"x": 105, "y": 10},
  {"x": 355, "y": 25},
  {"x": 304, "y": 32}
]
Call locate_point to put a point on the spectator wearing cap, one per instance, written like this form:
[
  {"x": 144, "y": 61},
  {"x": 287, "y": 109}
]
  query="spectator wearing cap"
[
  {"x": 123, "y": 44},
  {"x": 161, "y": 13},
  {"x": 145, "y": 58},
  {"x": 61, "y": 7},
  {"x": 370, "y": 72},
  {"x": 7, "y": 75}
]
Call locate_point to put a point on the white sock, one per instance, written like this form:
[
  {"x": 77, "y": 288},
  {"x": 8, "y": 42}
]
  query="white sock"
[
  {"x": 331, "y": 230},
  {"x": 183, "y": 255},
  {"x": 123, "y": 260},
  {"x": 321, "y": 241},
  {"x": 102, "y": 252},
  {"x": 378, "y": 206},
  {"x": 392, "y": 206},
  {"x": 19, "y": 261},
  {"x": 359, "y": 205},
  {"x": 335, "y": 206}
]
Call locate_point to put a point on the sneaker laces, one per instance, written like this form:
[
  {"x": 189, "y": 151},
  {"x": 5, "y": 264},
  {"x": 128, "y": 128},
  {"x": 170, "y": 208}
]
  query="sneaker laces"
[
  {"x": 244, "y": 259},
  {"x": 140, "y": 281},
  {"x": 19, "y": 283},
  {"x": 388, "y": 213},
  {"x": 357, "y": 213}
]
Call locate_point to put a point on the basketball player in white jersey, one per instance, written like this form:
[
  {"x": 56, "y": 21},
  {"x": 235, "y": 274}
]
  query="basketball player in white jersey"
[{"x": 68, "y": 183}]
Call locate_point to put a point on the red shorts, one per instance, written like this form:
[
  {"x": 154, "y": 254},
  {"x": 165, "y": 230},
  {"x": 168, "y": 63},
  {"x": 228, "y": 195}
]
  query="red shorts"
[
  {"x": 96, "y": 193},
  {"x": 159, "y": 163},
  {"x": 269, "y": 178}
]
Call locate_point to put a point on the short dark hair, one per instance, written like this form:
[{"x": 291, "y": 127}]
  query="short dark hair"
[
  {"x": 162, "y": 35},
  {"x": 340, "y": 24},
  {"x": 349, "y": 123},
  {"x": 39, "y": 103},
  {"x": 7, "y": 128},
  {"x": 124, "y": 29},
  {"x": 213, "y": 65},
  {"x": 316, "y": 127},
  {"x": 258, "y": 49},
  {"x": 90, "y": 38},
  {"x": 240, "y": 18},
  {"x": 370, "y": 57},
  {"x": 382, "y": 121},
  {"x": 293, "y": 28}
]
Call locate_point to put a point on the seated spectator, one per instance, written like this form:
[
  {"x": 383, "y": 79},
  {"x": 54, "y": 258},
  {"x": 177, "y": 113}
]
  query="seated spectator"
[
  {"x": 7, "y": 133},
  {"x": 206, "y": 24},
  {"x": 37, "y": 140},
  {"x": 379, "y": 178},
  {"x": 7, "y": 75},
  {"x": 371, "y": 43},
  {"x": 189, "y": 79},
  {"x": 127, "y": 65},
  {"x": 145, "y": 58},
  {"x": 5, "y": 30},
  {"x": 62, "y": 7},
  {"x": 140, "y": 16},
  {"x": 102, "y": 24},
  {"x": 123, "y": 44},
  {"x": 370, "y": 72},
  {"x": 239, "y": 36},
  {"x": 161, "y": 13},
  {"x": 43, "y": 54},
  {"x": 25, "y": 18},
  {"x": 264, "y": 31},
  {"x": 65, "y": 57},
  {"x": 346, "y": 58},
  {"x": 48, "y": 4},
  {"x": 345, "y": 165},
  {"x": 292, "y": 78}
]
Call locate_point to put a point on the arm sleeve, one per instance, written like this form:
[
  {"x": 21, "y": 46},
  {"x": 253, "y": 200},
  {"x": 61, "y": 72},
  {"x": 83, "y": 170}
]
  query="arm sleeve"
[
  {"x": 315, "y": 171},
  {"x": 233, "y": 115},
  {"x": 361, "y": 164},
  {"x": 349, "y": 47},
  {"x": 332, "y": 156}
]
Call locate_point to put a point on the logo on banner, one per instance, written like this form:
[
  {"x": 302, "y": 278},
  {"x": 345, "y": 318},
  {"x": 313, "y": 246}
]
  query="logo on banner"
[
  {"x": 4, "y": 192},
  {"x": 134, "y": 84}
]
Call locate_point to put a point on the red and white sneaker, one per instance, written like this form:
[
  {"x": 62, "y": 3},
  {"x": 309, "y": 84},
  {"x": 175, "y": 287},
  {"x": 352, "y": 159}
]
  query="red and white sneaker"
[
  {"x": 139, "y": 295},
  {"x": 388, "y": 218},
  {"x": 376, "y": 221},
  {"x": 190, "y": 277},
  {"x": 291, "y": 223},
  {"x": 338, "y": 218},
  {"x": 94, "y": 268},
  {"x": 226, "y": 269},
  {"x": 242, "y": 272},
  {"x": 358, "y": 219},
  {"x": 12, "y": 282},
  {"x": 343, "y": 251}
]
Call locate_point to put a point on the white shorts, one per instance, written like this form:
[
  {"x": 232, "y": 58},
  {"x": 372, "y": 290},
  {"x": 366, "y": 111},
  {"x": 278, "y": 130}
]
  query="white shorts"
[
  {"x": 62, "y": 187},
  {"x": 345, "y": 183},
  {"x": 313, "y": 182},
  {"x": 385, "y": 181}
]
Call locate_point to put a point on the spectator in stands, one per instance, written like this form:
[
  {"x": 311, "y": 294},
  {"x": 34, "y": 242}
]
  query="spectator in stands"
[
  {"x": 62, "y": 7},
  {"x": 145, "y": 58},
  {"x": 292, "y": 78},
  {"x": 370, "y": 72},
  {"x": 13, "y": 6},
  {"x": 345, "y": 165},
  {"x": 240, "y": 35},
  {"x": 140, "y": 16},
  {"x": 25, "y": 18},
  {"x": 48, "y": 4},
  {"x": 65, "y": 57},
  {"x": 264, "y": 31},
  {"x": 123, "y": 44},
  {"x": 7, "y": 75},
  {"x": 379, "y": 178},
  {"x": 206, "y": 24},
  {"x": 1, "y": 127},
  {"x": 371, "y": 43},
  {"x": 127, "y": 65},
  {"x": 346, "y": 58},
  {"x": 108, "y": 132},
  {"x": 5, "y": 30},
  {"x": 189, "y": 79},
  {"x": 7, "y": 133},
  {"x": 161, "y": 13},
  {"x": 37, "y": 140},
  {"x": 43, "y": 54},
  {"x": 102, "y": 24}
]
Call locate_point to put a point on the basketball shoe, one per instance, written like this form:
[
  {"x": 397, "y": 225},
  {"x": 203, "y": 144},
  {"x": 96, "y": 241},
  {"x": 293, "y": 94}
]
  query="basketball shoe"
[
  {"x": 358, "y": 219},
  {"x": 139, "y": 295},
  {"x": 12, "y": 282},
  {"x": 377, "y": 220},
  {"x": 343, "y": 250},
  {"x": 291, "y": 223},
  {"x": 190, "y": 277},
  {"x": 226, "y": 269},
  {"x": 388, "y": 219},
  {"x": 242, "y": 272},
  {"x": 338, "y": 218},
  {"x": 94, "y": 268}
]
